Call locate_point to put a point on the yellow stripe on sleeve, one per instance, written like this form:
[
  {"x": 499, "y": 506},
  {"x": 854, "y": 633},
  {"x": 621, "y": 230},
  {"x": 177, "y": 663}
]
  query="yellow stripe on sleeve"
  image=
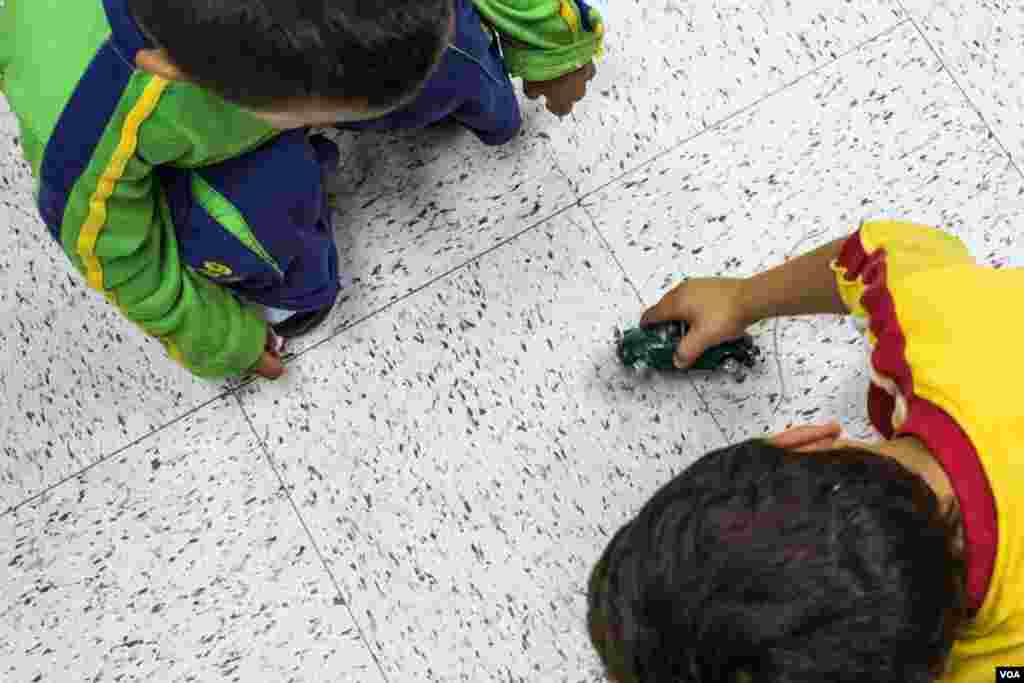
[
  {"x": 569, "y": 15},
  {"x": 97, "y": 218}
]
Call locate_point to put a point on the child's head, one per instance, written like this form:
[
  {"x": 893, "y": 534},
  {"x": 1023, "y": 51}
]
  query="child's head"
[
  {"x": 301, "y": 63},
  {"x": 763, "y": 563}
]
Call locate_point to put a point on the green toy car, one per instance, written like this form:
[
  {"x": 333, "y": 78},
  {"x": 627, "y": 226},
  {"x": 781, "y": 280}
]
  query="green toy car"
[{"x": 653, "y": 347}]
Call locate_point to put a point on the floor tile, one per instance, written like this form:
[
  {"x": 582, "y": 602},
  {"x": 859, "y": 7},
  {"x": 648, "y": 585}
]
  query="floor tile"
[
  {"x": 674, "y": 68},
  {"x": 982, "y": 42},
  {"x": 412, "y": 206},
  {"x": 884, "y": 130},
  {"x": 78, "y": 381},
  {"x": 463, "y": 457},
  {"x": 180, "y": 560}
]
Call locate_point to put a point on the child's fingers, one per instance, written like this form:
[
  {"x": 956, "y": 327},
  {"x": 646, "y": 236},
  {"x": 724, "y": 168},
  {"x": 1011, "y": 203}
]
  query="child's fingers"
[
  {"x": 535, "y": 89},
  {"x": 663, "y": 311},
  {"x": 564, "y": 92},
  {"x": 581, "y": 83},
  {"x": 808, "y": 437},
  {"x": 269, "y": 366},
  {"x": 559, "y": 108},
  {"x": 696, "y": 342}
]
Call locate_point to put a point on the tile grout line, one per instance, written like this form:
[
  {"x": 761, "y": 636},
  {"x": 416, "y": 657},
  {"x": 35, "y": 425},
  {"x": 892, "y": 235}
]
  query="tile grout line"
[
  {"x": 504, "y": 242},
  {"x": 250, "y": 380},
  {"x": 579, "y": 201},
  {"x": 426, "y": 285},
  {"x": 707, "y": 408},
  {"x": 949, "y": 72},
  {"x": 590, "y": 217},
  {"x": 309, "y": 535},
  {"x": 610, "y": 251},
  {"x": 708, "y": 129},
  {"x": 715, "y": 125},
  {"x": 114, "y": 454},
  {"x": 636, "y": 292},
  {"x": 247, "y": 381}
]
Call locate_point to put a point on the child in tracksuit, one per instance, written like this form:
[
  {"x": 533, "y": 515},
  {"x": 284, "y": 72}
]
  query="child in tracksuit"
[{"x": 171, "y": 148}]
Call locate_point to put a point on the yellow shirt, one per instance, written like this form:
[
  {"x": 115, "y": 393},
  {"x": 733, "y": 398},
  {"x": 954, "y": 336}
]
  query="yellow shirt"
[{"x": 944, "y": 333}]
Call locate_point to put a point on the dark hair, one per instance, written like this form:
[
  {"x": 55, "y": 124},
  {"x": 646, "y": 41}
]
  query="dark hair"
[
  {"x": 761, "y": 564},
  {"x": 260, "y": 53}
]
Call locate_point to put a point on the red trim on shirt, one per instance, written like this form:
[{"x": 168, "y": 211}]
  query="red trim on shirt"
[
  {"x": 940, "y": 433},
  {"x": 881, "y": 406},
  {"x": 955, "y": 452}
]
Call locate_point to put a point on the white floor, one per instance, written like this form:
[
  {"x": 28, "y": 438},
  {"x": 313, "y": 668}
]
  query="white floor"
[{"x": 422, "y": 497}]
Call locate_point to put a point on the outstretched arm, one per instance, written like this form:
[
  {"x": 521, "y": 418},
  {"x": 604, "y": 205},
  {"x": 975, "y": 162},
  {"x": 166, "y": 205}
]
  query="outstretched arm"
[
  {"x": 805, "y": 285},
  {"x": 720, "y": 309}
]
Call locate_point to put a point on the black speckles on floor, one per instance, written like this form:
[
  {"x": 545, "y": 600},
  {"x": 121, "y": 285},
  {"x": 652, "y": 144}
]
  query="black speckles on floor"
[{"x": 438, "y": 478}]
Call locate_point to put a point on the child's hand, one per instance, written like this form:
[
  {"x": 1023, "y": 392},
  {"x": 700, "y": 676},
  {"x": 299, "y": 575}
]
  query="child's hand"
[
  {"x": 714, "y": 309},
  {"x": 564, "y": 92},
  {"x": 809, "y": 438},
  {"x": 270, "y": 365}
]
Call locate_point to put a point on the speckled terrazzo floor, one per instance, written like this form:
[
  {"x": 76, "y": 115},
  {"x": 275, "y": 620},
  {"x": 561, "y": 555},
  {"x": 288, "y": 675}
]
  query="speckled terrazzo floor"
[{"x": 421, "y": 497}]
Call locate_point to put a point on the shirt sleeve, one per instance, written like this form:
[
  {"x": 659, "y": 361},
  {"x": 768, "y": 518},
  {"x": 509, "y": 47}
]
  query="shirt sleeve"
[
  {"x": 547, "y": 38},
  {"x": 118, "y": 232},
  {"x": 890, "y": 251}
]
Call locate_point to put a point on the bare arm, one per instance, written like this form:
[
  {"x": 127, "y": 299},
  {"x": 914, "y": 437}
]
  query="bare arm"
[
  {"x": 720, "y": 309},
  {"x": 804, "y": 285}
]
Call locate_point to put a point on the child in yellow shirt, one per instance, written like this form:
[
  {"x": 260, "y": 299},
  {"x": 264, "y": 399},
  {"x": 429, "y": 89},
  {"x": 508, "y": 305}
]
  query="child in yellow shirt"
[{"x": 808, "y": 557}]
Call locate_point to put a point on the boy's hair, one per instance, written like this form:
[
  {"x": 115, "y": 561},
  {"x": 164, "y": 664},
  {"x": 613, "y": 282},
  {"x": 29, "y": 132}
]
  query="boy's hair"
[
  {"x": 761, "y": 564},
  {"x": 261, "y": 53}
]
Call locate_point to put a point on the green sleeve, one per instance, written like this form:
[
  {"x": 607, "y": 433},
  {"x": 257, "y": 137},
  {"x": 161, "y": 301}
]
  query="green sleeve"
[
  {"x": 548, "y": 37},
  {"x": 6, "y": 37},
  {"x": 118, "y": 231}
]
